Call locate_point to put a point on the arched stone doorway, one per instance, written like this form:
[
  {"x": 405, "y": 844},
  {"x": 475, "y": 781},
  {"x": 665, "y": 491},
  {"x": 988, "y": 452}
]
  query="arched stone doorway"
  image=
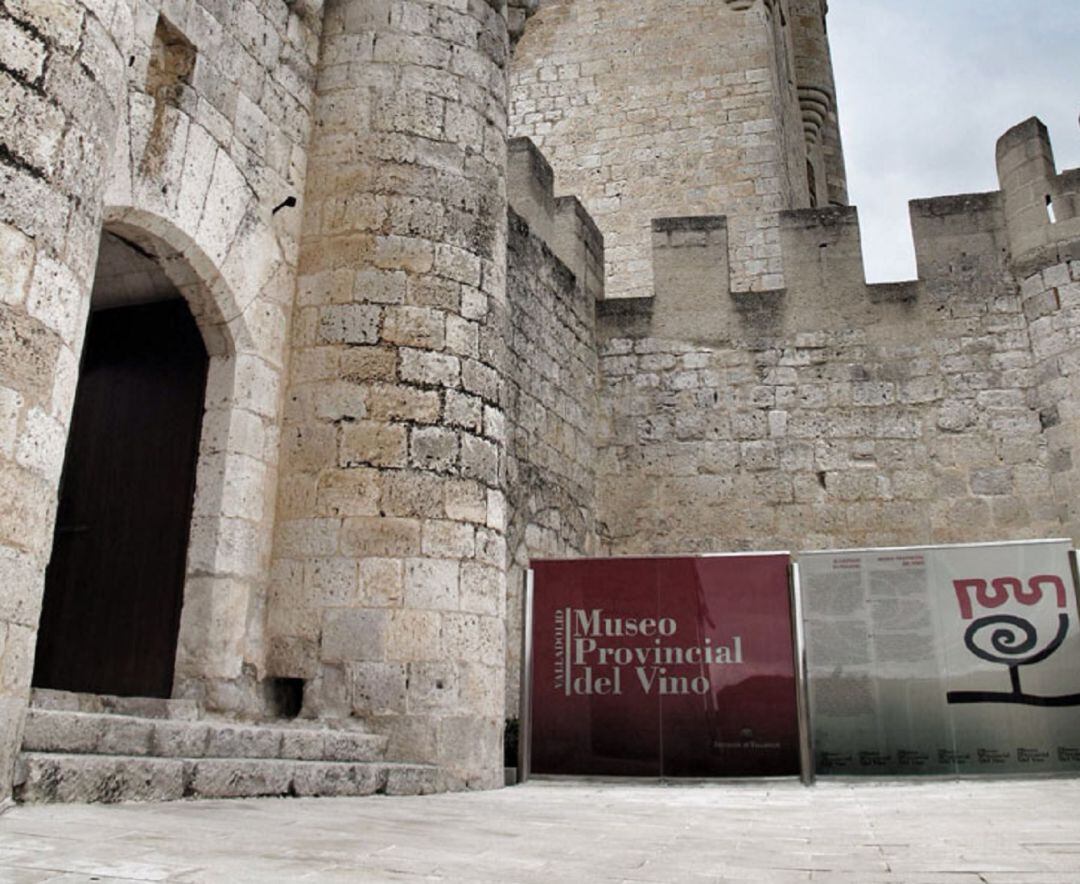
[{"x": 114, "y": 586}]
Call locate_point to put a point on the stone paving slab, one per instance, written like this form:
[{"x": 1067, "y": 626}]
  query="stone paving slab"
[{"x": 999, "y": 832}]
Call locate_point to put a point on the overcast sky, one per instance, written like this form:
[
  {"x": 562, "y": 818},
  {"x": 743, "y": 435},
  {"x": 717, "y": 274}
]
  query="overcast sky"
[{"x": 926, "y": 87}]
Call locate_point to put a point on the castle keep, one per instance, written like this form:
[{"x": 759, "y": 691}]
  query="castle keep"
[{"x": 455, "y": 284}]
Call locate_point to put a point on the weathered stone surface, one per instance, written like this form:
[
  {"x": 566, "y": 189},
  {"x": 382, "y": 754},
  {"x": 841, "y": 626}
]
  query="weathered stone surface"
[
  {"x": 97, "y": 778},
  {"x": 404, "y": 241},
  {"x": 110, "y": 779},
  {"x": 68, "y": 732},
  {"x": 413, "y": 394}
]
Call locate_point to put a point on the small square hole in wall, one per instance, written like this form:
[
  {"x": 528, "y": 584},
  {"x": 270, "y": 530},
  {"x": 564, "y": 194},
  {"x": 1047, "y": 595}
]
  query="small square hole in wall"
[
  {"x": 172, "y": 62},
  {"x": 287, "y": 696}
]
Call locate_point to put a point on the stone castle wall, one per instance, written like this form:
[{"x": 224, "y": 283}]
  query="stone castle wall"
[
  {"x": 62, "y": 78},
  {"x": 209, "y": 178},
  {"x": 390, "y": 555},
  {"x": 834, "y": 413},
  {"x": 642, "y": 115},
  {"x": 427, "y": 368},
  {"x": 178, "y": 125},
  {"x": 1051, "y": 304},
  {"x": 555, "y": 273}
]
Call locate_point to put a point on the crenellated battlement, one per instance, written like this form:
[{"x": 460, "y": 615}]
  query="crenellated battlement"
[
  {"x": 938, "y": 409},
  {"x": 561, "y": 222},
  {"x": 1041, "y": 209},
  {"x": 967, "y": 246}
]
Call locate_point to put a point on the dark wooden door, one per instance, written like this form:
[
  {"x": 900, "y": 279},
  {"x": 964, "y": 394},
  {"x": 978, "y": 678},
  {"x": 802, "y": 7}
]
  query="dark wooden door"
[{"x": 114, "y": 586}]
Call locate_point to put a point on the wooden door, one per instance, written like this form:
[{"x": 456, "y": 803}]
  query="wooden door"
[{"x": 114, "y": 586}]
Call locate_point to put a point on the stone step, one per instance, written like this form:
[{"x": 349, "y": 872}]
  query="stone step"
[
  {"x": 47, "y": 777},
  {"x": 92, "y": 733},
  {"x": 140, "y": 707}
]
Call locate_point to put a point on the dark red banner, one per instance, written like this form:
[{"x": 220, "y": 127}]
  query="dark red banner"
[{"x": 675, "y": 667}]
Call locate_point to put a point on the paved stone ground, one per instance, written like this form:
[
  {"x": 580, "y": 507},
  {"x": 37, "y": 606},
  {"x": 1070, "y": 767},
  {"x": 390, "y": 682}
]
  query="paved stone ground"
[{"x": 1005, "y": 832}]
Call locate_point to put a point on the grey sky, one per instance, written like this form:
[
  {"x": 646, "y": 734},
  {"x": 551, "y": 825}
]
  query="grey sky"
[{"x": 926, "y": 87}]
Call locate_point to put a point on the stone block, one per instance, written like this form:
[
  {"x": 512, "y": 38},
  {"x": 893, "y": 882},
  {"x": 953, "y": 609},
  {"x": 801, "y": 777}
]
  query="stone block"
[
  {"x": 465, "y": 501},
  {"x": 335, "y": 401},
  {"x": 307, "y": 537},
  {"x": 180, "y": 739},
  {"x": 422, "y": 327},
  {"x": 410, "y": 254},
  {"x": 292, "y": 656},
  {"x": 380, "y": 537},
  {"x": 479, "y": 459},
  {"x": 332, "y": 581},
  {"x": 353, "y": 746},
  {"x": 63, "y": 732},
  {"x": 433, "y": 448},
  {"x": 473, "y": 744},
  {"x": 411, "y": 780},
  {"x": 399, "y": 403},
  {"x": 378, "y": 688},
  {"x": 382, "y": 583},
  {"x": 432, "y": 687},
  {"x": 349, "y": 492},
  {"x": 480, "y": 379},
  {"x": 16, "y": 658},
  {"x": 100, "y": 779},
  {"x": 463, "y": 410},
  {"x": 28, "y": 355},
  {"x": 462, "y": 336},
  {"x": 432, "y": 584},
  {"x": 350, "y": 635},
  {"x": 349, "y": 324},
  {"x": 482, "y": 588},
  {"x": 20, "y": 602},
  {"x": 411, "y": 493},
  {"x": 338, "y": 781},
  {"x": 373, "y": 443},
  {"x": 225, "y": 778},
  {"x": 57, "y": 299},
  {"x": 229, "y": 741},
  {"x": 16, "y": 260},
  {"x": 358, "y": 364},
  {"x": 429, "y": 369},
  {"x": 309, "y": 447},
  {"x": 12, "y": 711},
  {"x": 304, "y": 744},
  {"x": 473, "y": 637},
  {"x": 445, "y": 539},
  {"x": 491, "y": 548},
  {"x": 413, "y": 635},
  {"x": 125, "y": 736}
]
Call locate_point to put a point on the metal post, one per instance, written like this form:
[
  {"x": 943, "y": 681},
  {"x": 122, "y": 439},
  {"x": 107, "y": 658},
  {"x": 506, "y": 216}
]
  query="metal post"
[
  {"x": 525, "y": 721},
  {"x": 1075, "y": 574},
  {"x": 802, "y": 696}
]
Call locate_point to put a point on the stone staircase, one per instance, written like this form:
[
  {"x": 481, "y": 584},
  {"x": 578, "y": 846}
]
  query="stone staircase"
[{"x": 87, "y": 748}]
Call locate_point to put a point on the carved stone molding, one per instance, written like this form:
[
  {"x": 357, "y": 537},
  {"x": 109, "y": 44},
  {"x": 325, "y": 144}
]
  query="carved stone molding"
[{"x": 815, "y": 104}]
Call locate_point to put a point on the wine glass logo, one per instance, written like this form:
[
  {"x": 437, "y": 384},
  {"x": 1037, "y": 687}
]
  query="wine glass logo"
[{"x": 1008, "y": 639}]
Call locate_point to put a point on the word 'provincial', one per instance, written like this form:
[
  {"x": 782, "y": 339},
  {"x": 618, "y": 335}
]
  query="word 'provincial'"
[{"x": 588, "y": 662}]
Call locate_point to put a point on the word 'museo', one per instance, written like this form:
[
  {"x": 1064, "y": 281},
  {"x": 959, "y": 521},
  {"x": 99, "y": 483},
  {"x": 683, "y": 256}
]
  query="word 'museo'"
[{"x": 588, "y": 662}]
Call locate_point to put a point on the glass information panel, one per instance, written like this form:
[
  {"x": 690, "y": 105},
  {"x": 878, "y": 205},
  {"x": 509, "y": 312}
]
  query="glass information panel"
[
  {"x": 941, "y": 660},
  {"x": 680, "y": 667}
]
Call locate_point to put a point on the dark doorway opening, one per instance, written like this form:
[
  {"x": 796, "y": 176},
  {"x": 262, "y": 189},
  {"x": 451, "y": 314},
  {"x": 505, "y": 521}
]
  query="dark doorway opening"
[{"x": 114, "y": 585}]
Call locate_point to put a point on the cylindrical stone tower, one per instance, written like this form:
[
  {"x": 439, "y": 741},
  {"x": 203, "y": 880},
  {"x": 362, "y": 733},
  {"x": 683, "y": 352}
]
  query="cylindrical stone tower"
[
  {"x": 389, "y": 580},
  {"x": 826, "y": 173},
  {"x": 63, "y": 78}
]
